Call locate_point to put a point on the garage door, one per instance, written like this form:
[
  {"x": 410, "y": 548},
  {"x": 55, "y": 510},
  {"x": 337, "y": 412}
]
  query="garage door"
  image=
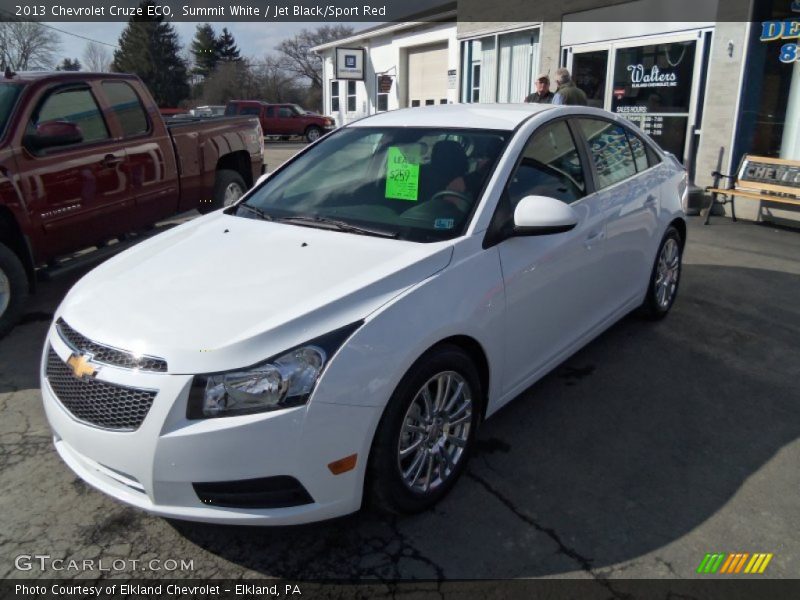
[{"x": 427, "y": 75}]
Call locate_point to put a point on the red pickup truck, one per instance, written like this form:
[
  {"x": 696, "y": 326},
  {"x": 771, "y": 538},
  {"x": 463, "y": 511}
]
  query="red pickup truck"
[
  {"x": 283, "y": 120},
  {"x": 85, "y": 158}
]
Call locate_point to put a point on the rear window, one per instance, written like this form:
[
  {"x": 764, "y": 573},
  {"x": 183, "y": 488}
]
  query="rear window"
[
  {"x": 9, "y": 92},
  {"x": 230, "y": 110},
  {"x": 249, "y": 110},
  {"x": 125, "y": 104}
]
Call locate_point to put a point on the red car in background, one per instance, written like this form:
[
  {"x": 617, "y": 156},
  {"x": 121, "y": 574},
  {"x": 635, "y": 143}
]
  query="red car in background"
[{"x": 284, "y": 120}]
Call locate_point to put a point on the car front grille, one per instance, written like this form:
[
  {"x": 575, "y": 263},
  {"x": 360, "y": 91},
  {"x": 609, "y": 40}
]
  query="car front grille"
[
  {"x": 98, "y": 403},
  {"x": 106, "y": 354}
]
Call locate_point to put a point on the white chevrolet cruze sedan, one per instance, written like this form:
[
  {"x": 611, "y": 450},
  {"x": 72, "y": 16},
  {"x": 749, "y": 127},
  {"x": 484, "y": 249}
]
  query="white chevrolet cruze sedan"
[{"x": 342, "y": 331}]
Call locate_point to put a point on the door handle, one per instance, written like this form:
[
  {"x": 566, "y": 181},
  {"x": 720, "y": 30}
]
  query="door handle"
[{"x": 110, "y": 160}]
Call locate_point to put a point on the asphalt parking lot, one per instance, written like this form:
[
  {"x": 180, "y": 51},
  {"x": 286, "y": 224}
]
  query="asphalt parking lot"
[{"x": 654, "y": 445}]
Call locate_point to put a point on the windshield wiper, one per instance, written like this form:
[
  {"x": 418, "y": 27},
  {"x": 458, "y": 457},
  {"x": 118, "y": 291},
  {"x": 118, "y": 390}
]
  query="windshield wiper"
[
  {"x": 256, "y": 211},
  {"x": 327, "y": 223}
]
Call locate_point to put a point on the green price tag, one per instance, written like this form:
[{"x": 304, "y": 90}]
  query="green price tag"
[{"x": 402, "y": 177}]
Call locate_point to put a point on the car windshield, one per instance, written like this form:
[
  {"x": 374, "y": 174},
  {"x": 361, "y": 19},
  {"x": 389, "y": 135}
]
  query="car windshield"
[
  {"x": 8, "y": 96},
  {"x": 419, "y": 184}
]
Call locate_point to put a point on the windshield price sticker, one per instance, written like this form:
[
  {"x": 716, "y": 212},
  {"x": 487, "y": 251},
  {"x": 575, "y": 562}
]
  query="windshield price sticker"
[{"x": 402, "y": 177}]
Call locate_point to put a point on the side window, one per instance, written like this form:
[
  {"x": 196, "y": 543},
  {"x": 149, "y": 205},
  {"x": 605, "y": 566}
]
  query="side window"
[
  {"x": 249, "y": 110},
  {"x": 611, "y": 153},
  {"x": 270, "y": 112},
  {"x": 230, "y": 110},
  {"x": 550, "y": 166},
  {"x": 334, "y": 96},
  {"x": 127, "y": 106},
  {"x": 639, "y": 153},
  {"x": 351, "y": 96},
  {"x": 77, "y": 106},
  {"x": 285, "y": 112}
]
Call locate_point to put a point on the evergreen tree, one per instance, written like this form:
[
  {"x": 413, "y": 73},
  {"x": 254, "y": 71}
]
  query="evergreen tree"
[
  {"x": 226, "y": 47},
  {"x": 150, "y": 48},
  {"x": 69, "y": 64},
  {"x": 205, "y": 50}
]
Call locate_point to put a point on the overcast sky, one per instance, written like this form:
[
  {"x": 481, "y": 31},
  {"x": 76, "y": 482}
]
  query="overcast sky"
[{"x": 254, "y": 39}]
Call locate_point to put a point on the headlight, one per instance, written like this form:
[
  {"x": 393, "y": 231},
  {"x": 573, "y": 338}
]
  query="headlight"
[{"x": 281, "y": 382}]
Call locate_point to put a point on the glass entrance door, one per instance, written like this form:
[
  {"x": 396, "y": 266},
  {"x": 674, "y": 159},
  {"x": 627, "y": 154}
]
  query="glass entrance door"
[
  {"x": 589, "y": 71},
  {"x": 653, "y": 87}
]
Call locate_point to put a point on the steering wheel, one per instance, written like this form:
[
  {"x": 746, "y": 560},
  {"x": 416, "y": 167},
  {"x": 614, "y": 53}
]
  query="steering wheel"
[{"x": 444, "y": 193}]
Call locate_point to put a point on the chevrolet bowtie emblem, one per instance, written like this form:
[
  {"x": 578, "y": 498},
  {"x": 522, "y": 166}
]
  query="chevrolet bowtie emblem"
[{"x": 81, "y": 367}]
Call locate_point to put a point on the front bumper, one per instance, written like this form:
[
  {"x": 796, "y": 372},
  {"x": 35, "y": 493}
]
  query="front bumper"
[{"x": 155, "y": 466}]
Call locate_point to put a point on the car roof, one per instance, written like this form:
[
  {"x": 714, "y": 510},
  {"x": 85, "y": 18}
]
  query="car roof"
[{"x": 469, "y": 116}]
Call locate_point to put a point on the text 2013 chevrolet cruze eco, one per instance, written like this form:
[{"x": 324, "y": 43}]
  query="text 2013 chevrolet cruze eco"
[{"x": 342, "y": 331}]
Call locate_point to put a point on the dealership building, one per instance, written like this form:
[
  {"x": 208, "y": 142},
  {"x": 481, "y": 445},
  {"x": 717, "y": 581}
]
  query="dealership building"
[{"x": 709, "y": 90}]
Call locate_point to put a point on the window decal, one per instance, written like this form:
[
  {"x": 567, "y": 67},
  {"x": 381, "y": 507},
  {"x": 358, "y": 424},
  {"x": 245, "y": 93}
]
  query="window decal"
[{"x": 402, "y": 176}]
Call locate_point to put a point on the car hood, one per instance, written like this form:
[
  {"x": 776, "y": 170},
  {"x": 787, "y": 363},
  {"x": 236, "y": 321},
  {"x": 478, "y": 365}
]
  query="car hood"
[{"x": 224, "y": 292}]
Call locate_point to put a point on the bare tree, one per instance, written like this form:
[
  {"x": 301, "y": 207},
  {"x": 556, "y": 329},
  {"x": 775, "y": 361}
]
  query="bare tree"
[
  {"x": 26, "y": 45},
  {"x": 97, "y": 58},
  {"x": 296, "y": 55}
]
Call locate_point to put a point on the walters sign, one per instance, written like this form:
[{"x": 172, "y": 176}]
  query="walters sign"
[{"x": 642, "y": 78}]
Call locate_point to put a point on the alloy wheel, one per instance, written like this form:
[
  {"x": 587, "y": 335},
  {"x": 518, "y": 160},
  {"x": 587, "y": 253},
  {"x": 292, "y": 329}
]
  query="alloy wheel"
[
  {"x": 667, "y": 274},
  {"x": 435, "y": 432},
  {"x": 232, "y": 193},
  {"x": 5, "y": 292}
]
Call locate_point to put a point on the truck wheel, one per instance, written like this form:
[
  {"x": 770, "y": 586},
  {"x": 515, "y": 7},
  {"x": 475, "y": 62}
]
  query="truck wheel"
[
  {"x": 313, "y": 133},
  {"x": 228, "y": 188},
  {"x": 13, "y": 289}
]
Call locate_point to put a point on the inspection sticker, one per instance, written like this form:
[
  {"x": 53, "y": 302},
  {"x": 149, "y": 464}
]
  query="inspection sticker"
[
  {"x": 444, "y": 223},
  {"x": 402, "y": 177}
]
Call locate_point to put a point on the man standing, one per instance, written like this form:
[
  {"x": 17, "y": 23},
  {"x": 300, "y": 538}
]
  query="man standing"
[
  {"x": 542, "y": 95},
  {"x": 567, "y": 92}
]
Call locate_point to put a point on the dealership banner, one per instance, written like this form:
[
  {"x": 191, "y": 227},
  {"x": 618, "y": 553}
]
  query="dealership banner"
[{"x": 271, "y": 11}]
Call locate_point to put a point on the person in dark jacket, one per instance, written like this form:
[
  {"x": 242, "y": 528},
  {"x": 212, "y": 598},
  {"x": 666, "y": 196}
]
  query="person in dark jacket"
[
  {"x": 568, "y": 92},
  {"x": 542, "y": 95}
]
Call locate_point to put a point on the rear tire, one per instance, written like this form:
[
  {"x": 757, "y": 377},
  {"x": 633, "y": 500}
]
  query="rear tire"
[
  {"x": 13, "y": 289},
  {"x": 313, "y": 134},
  {"x": 422, "y": 445},
  {"x": 229, "y": 186},
  {"x": 665, "y": 277}
]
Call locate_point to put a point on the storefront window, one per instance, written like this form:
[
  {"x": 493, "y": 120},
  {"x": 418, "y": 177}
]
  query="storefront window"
[
  {"x": 500, "y": 68},
  {"x": 770, "y": 115},
  {"x": 653, "y": 88}
]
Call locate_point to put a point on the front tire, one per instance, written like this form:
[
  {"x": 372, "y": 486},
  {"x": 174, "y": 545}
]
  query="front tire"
[
  {"x": 665, "y": 277},
  {"x": 313, "y": 134},
  {"x": 426, "y": 434},
  {"x": 229, "y": 186},
  {"x": 13, "y": 289}
]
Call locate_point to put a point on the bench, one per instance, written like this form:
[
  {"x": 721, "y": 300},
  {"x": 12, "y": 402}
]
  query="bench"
[{"x": 759, "y": 178}]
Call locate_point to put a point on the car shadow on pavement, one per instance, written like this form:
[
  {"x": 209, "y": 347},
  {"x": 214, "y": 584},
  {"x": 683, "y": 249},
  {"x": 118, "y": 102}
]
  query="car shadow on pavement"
[{"x": 639, "y": 439}]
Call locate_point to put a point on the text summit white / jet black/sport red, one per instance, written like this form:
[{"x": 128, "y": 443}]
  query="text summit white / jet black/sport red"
[{"x": 341, "y": 332}]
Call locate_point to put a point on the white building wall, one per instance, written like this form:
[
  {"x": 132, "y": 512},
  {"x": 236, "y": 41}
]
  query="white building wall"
[{"x": 387, "y": 54}]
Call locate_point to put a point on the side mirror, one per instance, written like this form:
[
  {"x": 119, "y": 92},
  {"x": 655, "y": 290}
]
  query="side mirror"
[
  {"x": 542, "y": 215},
  {"x": 54, "y": 133}
]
